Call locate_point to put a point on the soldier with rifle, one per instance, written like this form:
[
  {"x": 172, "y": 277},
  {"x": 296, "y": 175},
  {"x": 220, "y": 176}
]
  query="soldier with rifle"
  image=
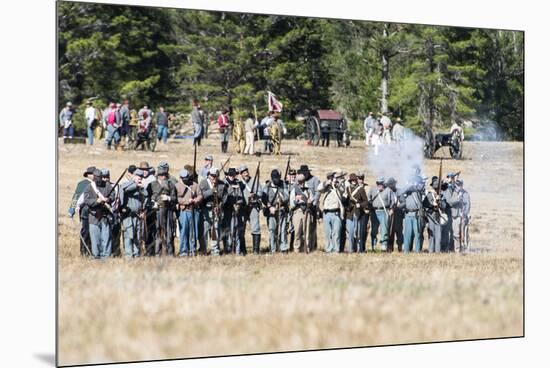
[
  {"x": 290, "y": 181},
  {"x": 116, "y": 225},
  {"x": 333, "y": 209},
  {"x": 355, "y": 201},
  {"x": 464, "y": 198},
  {"x": 381, "y": 198},
  {"x": 311, "y": 182},
  {"x": 149, "y": 220},
  {"x": 163, "y": 197},
  {"x": 363, "y": 221},
  {"x": 98, "y": 196},
  {"x": 132, "y": 196},
  {"x": 454, "y": 200},
  {"x": 232, "y": 219},
  {"x": 275, "y": 201},
  {"x": 411, "y": 200},
  {"x": 298, "y": 199},
  {"x": 77, "y": 204},
  {"x": 212, "y": 191},
  {"x": 395, "y": 232},
  {"x": 208, "y": 162},
  {"x": 434, "y": 203},
  {"x": 252, "y": 195},
  {"x": 189, "y": 199}
]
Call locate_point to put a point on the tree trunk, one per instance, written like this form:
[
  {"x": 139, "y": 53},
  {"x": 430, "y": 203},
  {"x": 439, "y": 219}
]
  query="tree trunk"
[{"x": 385, "y": 75}]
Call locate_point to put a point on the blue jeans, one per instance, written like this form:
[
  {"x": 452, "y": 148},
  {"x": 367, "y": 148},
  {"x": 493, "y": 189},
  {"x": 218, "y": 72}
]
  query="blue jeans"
[
  {"x": 355, "y": 227},
  {"x": 380, "y": 222},
  {"x": 162, "y": 133},
  {"x": 131, "y": 228},
  {"x": 100, "y": 236},
  {"x": 68, "y": 132},
  {"x": 277, "y": 229},
  {"x": 412, "y": 230},
  {"x": 333, "y": 228},
  {"x": 189, "y": 228},
  {"x": 112, "y": 133},
  {"x": 90, "y": 132}
]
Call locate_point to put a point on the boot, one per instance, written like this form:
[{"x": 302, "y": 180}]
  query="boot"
[
  {"x": 256, "y": 243},
  {"x": 223, "y": 145}
]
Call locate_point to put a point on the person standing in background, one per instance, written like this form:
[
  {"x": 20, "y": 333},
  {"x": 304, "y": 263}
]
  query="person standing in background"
[
  {"x": 162, "y": 125},
  {"x": 249, "y": 134},
  {"x": 89, "y": 114},
  {"x": 223, "y": 125},
  {"x": 66, "y": 120}
]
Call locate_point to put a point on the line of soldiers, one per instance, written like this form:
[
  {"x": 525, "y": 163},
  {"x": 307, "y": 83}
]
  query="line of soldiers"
[{"x": 146, "y": 207}]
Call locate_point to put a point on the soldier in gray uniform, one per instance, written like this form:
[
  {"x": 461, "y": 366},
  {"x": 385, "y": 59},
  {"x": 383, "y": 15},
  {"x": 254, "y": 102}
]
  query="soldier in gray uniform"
[
  {"x": 434, "y": 203},
  {"x": 232, "y": 225},
  {"x": 381, "y": 200},
  {"x": 454, "y": 200},
  {"x": 333, "y": 210},
  {"x": 132, "y": 197},
  {"x": 253, "y": 206},
  {"x": 447, "y": 189},
  {"x": 464, "y": 198},
  {"x": 208, "y": 161},
  {"x": 275, "y": 201},
  {"x": 98, "y": 196},
  {"x": 212, "y": 191},
  {"x": 163, "y": 196},
  {"x": 411, "y": 201},
  {"x": 311, "y": 183},
  {"x": 397, "y": 215}
]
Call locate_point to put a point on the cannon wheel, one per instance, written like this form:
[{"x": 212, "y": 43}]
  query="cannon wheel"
[
  {"x": 313, "y": 130},
  {"x": 429, "y": 144},
  {"x": 455, "y": 149}
]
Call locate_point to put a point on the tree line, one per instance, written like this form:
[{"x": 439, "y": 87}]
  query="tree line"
[{"x": 428, "y": 75}]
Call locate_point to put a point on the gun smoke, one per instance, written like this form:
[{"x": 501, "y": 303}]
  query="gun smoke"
[{"x": 398, "y": 159}]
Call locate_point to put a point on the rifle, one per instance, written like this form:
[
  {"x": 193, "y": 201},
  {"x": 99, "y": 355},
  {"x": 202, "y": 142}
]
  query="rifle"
[
  {"x": 116, "y": 183},
  {"x": 82, "y": 238},
  {"x": 222, "y": 170},
  {"x": 215, "y": 212},
  {"x": 195, "y": 176},
  {"x": 143, "y": 219},
  {"x": 438, "y": 191}
]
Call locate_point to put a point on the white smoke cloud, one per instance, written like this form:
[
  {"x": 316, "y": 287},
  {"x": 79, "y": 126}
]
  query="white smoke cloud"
[{"x": 398, "y": 159}]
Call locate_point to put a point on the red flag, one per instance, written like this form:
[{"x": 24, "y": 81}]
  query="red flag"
[{"x": 273, "y": 104}]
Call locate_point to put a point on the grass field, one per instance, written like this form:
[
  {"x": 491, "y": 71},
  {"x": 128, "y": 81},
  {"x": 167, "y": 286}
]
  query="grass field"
[{"x": 171, "y": 308}]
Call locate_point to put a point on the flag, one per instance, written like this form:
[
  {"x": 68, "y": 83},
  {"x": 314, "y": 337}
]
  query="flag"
[{"x": 273, "y": 103}]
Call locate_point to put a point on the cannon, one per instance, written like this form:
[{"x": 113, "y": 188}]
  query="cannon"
[
  {"x": 319, "y": 124},
  {"x": 433, "y": 142}
]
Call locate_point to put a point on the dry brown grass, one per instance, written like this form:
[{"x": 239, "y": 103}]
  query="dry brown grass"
[{"x": 170, "y": 308}]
